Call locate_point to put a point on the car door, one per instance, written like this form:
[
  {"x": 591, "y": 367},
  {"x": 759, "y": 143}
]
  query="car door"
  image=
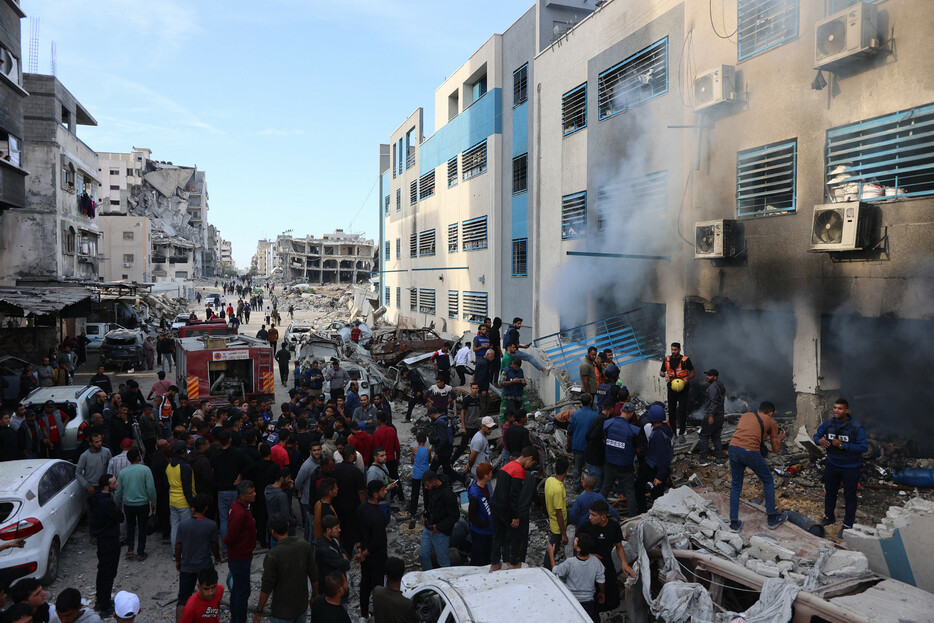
[
  {"x": 76, "y": 496},
  {"x": 54, "y": 499}
]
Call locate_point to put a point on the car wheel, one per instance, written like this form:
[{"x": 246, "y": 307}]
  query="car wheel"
[{"x": 53, "y": 563}]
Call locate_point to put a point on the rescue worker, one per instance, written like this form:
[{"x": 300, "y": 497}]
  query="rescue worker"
[
  {"x": 678, "y": 366},
  {"x": 621, "y": 436},
  {"x": 845, "y": 441},
  {"x": 712, "y": 426}
]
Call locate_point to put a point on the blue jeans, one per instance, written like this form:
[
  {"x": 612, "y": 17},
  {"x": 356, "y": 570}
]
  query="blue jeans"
[
  {"x": 520, "y": 354},
  {"x": 240, "y": 593},
  {"x": 225, "y": 500},
  {"x": 740, "y": 459},
  {"x": 302, "y": 618},
  {"x": 439, "y": 543},
  {"x": 597, "y": 472},
  {"x": 177, "y": 516}
]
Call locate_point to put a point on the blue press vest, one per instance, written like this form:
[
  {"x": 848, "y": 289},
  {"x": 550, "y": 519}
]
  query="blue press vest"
[{"x": 619, "y": 434}]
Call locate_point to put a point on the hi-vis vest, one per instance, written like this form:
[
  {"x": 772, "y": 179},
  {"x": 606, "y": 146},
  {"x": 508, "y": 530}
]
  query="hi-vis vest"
[
  {"x": 165, "y": 410},
  {"x": 679, "y": 372}
]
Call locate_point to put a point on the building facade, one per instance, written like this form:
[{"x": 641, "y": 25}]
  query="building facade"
[
  {"x": 336, "y": 258},
  {"x": 264, "y": 260},
  {"x": 12, "y": 100},
  {"x": 127, "y": 248}
]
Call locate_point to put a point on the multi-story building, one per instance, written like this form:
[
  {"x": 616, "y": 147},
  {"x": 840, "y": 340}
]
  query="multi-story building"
[
  {"x": 758, "y": 186},
  {"x": 226, "y": 256},
  {"x": 56, "y": 235},
  {"x": 336, "y": 258},
  {"x": 12, "y": 98},
  {"x": 126, "y": 247},
  {"x": 455, "y": 231},
  {"x": 264, "y": 260}
]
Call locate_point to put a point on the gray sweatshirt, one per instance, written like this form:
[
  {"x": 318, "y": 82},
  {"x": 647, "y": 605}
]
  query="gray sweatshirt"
[
  {"x": 277, "y": 501},
  {"x": 91, "y": 466}
]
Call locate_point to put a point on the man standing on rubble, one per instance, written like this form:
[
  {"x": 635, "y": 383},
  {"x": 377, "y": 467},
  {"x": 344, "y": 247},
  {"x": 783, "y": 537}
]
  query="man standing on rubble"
[
  {"x": 509, "y": 511},
  {"x": 580, "y": 423},
  {"x": 441, "y": 359},
  {"x": 845, "y": 441},
  {"x": 463, "y": 357},
  {"x": 588, "y": 371},
  {"x": 416, "y": 390},
  {"x": 608, "y": 538},
  {"x": 621, "y": 437},
  {"x": 337, "y": 379},
  {"x": 678, "y": 366},
  {"x": 745, "y": 452},
  {"x": 512, "y": 338},
  {"x": 712, "y": 426}
]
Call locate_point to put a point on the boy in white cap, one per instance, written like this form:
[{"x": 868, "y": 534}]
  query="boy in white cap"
[{"x": 126, "y": 607}]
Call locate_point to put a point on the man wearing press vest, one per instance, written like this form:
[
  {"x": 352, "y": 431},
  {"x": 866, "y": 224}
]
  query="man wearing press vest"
[{"x": 845, "y": 441}]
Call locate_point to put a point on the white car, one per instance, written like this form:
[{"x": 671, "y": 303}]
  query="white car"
[
  {"x": 40, "y": 501},
  {"x": 180, "y": 321},
  {"x": 475, "y": 595},
  {"x": 215, "y": 300},
  {"x": 73, "y": 400},
  {"x": 294, "y": 333},
  {"x": 96, "y": 332}
]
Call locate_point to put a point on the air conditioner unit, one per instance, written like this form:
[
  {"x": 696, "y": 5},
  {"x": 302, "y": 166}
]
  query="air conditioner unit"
[
  {"x": 714, "y": 87},
  {"x": 126, "y": 264},
  {"x": 846, "y": 36},
  {"x": 714, "y": 239},
  {"x": 840, "y": 227}
]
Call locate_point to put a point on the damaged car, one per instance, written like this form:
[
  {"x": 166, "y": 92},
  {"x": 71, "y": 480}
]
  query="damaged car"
[{"x": 392, "y": 346}]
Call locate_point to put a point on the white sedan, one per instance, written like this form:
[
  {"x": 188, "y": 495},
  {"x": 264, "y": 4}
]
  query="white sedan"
[{"x": 41, "y": 502}]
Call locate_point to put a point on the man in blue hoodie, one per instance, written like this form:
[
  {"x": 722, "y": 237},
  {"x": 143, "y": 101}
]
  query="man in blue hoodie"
[
  {"x": 845, "y": 441},
  {"x": 581, "y": 421},
  {"x": 621, "y": 438}
]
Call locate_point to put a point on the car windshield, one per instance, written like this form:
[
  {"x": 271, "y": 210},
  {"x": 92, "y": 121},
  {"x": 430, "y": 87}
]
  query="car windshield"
[{"x": 121, "y": 341}]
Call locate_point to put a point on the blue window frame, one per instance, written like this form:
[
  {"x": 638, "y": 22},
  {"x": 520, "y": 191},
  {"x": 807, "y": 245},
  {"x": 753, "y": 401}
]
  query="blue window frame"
[
  {"x": 839, "y": 5},
  {"x": 426, "y": 242},
  {"x": 473, "y": 162},
  {"x": 426, "y": 185},
  {"x": 574, "y": 109},
  {"x": 520, "y": 257},
  {"x": 398, "y": 248},
  {"x": 766, "y": 178},
  {"x": 765, "y": 24},
  {"x": 386, "y": 205},
  {"x": 574, "y": 215},
  {"x": 452, "y": 303},
  {"x": 475, "y": 306},
  {"x": 398, "y": 199},
  {"x": 889, "y": 157},
  {"x": 386, "y": 250},
  {"x": 426, "y": 301},
  {"x": 639, "y": 78},
  {"x": 474, "y": 234},
  {"x": 386, "y": 300}
]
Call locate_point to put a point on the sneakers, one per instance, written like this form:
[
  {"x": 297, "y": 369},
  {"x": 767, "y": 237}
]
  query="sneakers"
[
  {"x": 737, "y": 525},
  {"x": 840, "y": 534},
  {"x": 777, "y": 520},
  {"x": 702, "y": 463},
  {"x": 826, "y": 521},
  {"x": 130, "y": 555}
]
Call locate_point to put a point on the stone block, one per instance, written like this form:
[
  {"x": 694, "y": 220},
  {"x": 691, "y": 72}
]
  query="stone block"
[
  {"x": 768, "y": 549},
  {"x": 846, "y": 562}
]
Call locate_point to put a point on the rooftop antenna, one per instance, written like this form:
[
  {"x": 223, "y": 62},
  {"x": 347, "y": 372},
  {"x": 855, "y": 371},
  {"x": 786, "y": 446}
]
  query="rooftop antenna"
[
  {"x": 33, "y": 45},
  {"x": 52, "y": 59}
]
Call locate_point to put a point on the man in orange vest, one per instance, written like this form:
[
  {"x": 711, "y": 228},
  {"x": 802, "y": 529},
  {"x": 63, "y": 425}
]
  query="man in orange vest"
[
  {"x": 678, "y": 366},
  {"x": 166, "y": 409}
]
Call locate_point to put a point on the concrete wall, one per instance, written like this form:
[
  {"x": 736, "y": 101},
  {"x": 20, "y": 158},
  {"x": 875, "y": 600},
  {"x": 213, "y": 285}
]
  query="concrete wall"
[
  {"x": 116, "y": 246},
  {"x": 12, "y": 96}
]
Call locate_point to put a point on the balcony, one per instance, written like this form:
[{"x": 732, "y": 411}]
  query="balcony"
[{"x": 158, "y": 259}]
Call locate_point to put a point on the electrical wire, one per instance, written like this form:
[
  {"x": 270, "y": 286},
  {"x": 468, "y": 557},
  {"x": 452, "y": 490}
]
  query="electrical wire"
[
  {"x": 710, "y": 14},
  {"x": 364, "y": 202}
]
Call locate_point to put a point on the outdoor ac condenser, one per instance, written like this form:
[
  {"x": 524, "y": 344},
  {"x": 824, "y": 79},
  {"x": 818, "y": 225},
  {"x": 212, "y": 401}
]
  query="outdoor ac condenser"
[
  {"x": 840, "y": 227},
  {"x": 714, "y": 86},
  {"x": 847, "y": 36},
  {"x": 714, "y": 239}
]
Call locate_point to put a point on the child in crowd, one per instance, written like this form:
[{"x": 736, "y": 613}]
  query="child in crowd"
[
  {"x": 584, "y": 574},
  {"x": 204, "y": 606}
]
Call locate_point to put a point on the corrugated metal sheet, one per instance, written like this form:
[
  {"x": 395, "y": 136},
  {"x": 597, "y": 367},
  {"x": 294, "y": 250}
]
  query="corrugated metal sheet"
[{"x": 38, "y": 301}]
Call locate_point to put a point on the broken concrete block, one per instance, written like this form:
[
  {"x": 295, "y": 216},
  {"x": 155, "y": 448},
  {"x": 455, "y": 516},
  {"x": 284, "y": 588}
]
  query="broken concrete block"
[
  {"x": 725, "y": 548},
  {"x": 768, "y": 549},
  {"x": 752, "y": 564},
  {"x": 785, "y": 566},
  {"x": 767, "y": 570},
  {"x": 742, "y": 558},
  {"x": 797, "y": 578},
  {"x": 733, "y": 538},
  {"x": 846, "y": 562},
  {"x": 677, "y": 502}
]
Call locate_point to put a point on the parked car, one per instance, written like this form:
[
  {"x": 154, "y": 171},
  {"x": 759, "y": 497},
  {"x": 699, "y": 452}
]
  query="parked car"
[
  {"x": 215, "y": 300},
  {"x": 180, "y": 321},
  {"x": 294, "y": 333},
  {"x": 474, "y": 595},
  {"x": 42, "y": 502},
  {"x": 10, "y": 370},
  {"x": 96, "y": 332},
  {"x": 123, "y": 346},
  {"x": 75, "y": 401}
]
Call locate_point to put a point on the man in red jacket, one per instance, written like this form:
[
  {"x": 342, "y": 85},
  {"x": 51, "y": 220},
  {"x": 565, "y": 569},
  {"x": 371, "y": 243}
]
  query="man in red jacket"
[
  {"x": 385, "y": 437},
  {"x": 240, "y": 541},
  {"x": 362, "y": 441}
]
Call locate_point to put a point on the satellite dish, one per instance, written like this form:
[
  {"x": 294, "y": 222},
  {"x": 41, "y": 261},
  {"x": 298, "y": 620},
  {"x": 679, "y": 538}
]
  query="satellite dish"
[
  {"x": 831, "y": 38},
  {"x": 828, "y": 227}
]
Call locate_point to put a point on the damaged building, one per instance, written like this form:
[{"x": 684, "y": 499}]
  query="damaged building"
[
  {"x": 55, "y": 234},
  {"x": 12, "y": 101},
  {"x": 336, "y": 258},
  {"x": 753, "y": 194}
]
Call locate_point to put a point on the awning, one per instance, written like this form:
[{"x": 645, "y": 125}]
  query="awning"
[{"x": 39, "y": 301}]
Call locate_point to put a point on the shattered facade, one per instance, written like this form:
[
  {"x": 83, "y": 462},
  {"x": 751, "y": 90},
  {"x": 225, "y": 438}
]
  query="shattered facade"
[
  {"x": 336, "y": 258},
  {"x": 56, "y": 235}
]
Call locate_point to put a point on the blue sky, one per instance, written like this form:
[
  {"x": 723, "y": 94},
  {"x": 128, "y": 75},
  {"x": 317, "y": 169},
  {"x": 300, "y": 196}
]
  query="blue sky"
[{"x": 283, "y": 103}]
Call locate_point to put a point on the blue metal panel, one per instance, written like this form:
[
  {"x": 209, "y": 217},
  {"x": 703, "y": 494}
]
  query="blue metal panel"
[
  {"x": 896, "y": 558},
  {"x": 520, "y": 129},
  {"x": 482, "y": 119},
  {"x": 520, "y": 216}
]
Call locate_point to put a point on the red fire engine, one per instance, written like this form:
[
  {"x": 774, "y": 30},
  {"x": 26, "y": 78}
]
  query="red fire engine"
[{"x": 221, "y": 368}]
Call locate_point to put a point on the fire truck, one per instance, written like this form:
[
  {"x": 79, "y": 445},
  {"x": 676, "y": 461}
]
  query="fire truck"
[{"x": 220, "y": 368}]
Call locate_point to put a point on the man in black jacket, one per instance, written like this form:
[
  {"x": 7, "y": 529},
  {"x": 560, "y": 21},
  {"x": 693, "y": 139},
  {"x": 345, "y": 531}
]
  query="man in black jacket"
[
  {"x": 229, "y": 464},
  {"x": 329, "y": 555},
  {"x": 372, "y": 547},
  {"x": 510, "y": 504},
  {"x": 441, "y": 513},
  {"x": 105, "y": 519}
]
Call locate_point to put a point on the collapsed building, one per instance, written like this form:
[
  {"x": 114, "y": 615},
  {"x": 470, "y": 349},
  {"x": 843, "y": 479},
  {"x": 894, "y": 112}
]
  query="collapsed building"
[{"x": 336, "y": 258}]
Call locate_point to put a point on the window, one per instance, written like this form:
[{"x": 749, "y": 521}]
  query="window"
[
  {"x": 398, "y": 248},
  {"x": 520, "y": 257},
  {"x": 520, "y": 173},
  {"x": 386, "y": 205},
  {"x": 114, "y": 202},
  {"x": 475, "y": 234},
  {"x": 452, "y": 304},
  {"x": 398, "y": 297},
  {"x": 11, "y": 146},
  {"x": 386, "y": 250},
  {"x": 181, "y": 274},
  {"x": 68, "y": 177},
  {"x": 637, "y": 79},
  {"x": 475, "y": 306},
  {"x": 574, "y": 109},
  {"x": 520, "y": 85},
  {"x": 128, "y": 235},
  {"x": 574, "y": 215},
  {"x": 395, "y": 165},
  {"x": 452, "y": 172},
  {"x": 426, "y": 301},
  {"x": 413, "y": 192},
  {"x": 70, "y": 241},
  {"x": 386, "y": 301},
  {"x": 894, "y": 152},
  {"x": 426, "y": 242},
  {"x": 409, "y": 150},
  {"x": 474, "y": 162},
  {"x": 452, "y": 238},
  {"x": 398, "y": 199},
  {"x": 413, "y": 245},
  {"x": 839, "y": 5},
  {"x": 114, "y": 187},
  {"x": 413, "y": 299},
  {"x": 645, "y": 197},
  {"x": 127, "y": 258},
  {"x": 765, "y": 179},
  {"x": 427, "y": 185},
  {"x": 114, "y": 172},
  {"x": 765, "y": 24},
  {"x": 9, "y": 65}
]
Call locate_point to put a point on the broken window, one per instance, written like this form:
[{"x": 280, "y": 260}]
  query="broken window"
[
  {"x": 452, "y": 238},
  {"x": 128, "y": 235},
  {"x": 887, "y": 157},
  {"x": 475, "y": 306},
  {"x": 475, "y": 234},
  {"x": 644, "y": 198},
  {"x": 452, "y": 172},
  {"x": 520, "y": 261},
  {"x": 11, "y": 148},
  {"x": 426, "y": 242},
  {"x": 452, "y": 304},
  {"x": 520, "y": 85},
  {"x": 637, "y": 79},
  {"x": 398, "y": 199},
  {"x": 765, "y": 24},
  {"x": 413, "y": 192},
  {"x": 70, "y": 241},
  {"x": 520, "y": 170},
  {"x": 574, "y": 109},
  {"x": 765, "y": 179},
  {"x": 413, "y": 245},
  {"x": 398, "y": 297},
  {"x": 9, "y": 65},
  {"x": 386, "y": 251},
  {"x": 68, "y": 176},
  {"x": 427, "y": 185},
  {"x": 474, "y": 160},
  {"x": 574, "y": 215},
  {"x": 426, "y": 301},
  {"x": 413, "y": 299},
  {"x": 398, "y": 248}
]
